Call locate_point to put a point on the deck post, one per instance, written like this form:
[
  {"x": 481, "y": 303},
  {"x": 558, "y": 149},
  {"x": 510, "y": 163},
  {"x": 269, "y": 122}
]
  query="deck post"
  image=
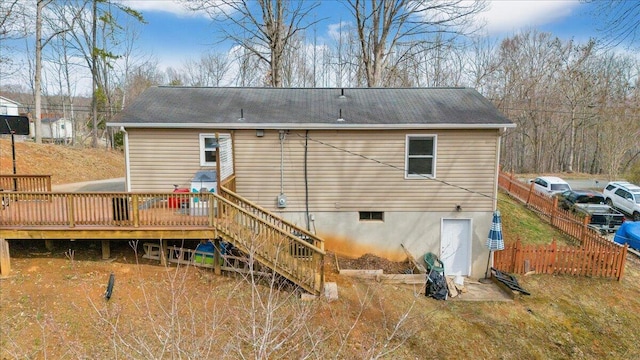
[
  {"x": 5, "y": 260},
  {"x": 217, "y": 258},
  {"x": 163, "y": 252},
  {"x": 106, "y": 249},
  {"x": 49, "y": 244}
]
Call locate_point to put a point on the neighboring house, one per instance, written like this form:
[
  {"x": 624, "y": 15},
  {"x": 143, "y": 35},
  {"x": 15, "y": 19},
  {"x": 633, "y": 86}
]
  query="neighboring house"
[
  {"x": 57, "y": 130},
  {"x": 366, "y": 169},
  {"x": 8, "y": 107}
]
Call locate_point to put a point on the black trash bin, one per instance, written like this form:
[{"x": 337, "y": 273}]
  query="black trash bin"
[
  {"x": 298, "y": 250},
  {"x": 120, "y": 208}
]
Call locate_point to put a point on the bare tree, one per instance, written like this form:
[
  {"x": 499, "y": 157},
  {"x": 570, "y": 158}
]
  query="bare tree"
[
  {"x": 247, "y": 65},
  {"x": 618, "y": 21},
  {"x": 10, "y": 12},
  {"x": 383, "y": 25},
  {"x": 97, "y": 21},
  {"x": 40, "y": 43},
  {"x": 141, "y": 77},
  {"x": 210, "y": 70},
  {"x": 263, "y": 27},
  {"x": 12, "y": 15}
]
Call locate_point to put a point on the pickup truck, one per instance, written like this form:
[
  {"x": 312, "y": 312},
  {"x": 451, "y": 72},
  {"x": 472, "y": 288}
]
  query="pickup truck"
[{"x": 604, "y": 218}]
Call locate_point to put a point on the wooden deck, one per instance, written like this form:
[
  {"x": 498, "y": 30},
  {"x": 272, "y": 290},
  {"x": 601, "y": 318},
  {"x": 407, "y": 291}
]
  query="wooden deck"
[{"x": 286, "y": 249}]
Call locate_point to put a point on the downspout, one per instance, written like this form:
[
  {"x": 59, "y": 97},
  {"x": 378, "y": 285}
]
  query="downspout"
[
  {"x": 497, "y": 174},
  {"x": 127, "y": 179},
  {"x": 282, "y": 136},
  {"x": 306, "y": 179}
]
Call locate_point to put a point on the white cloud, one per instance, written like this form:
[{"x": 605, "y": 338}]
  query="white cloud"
[
  {"x": 334, "y": 31},
  {"x": 507, "y": 16},
  {"x": 176, "y": 7}
]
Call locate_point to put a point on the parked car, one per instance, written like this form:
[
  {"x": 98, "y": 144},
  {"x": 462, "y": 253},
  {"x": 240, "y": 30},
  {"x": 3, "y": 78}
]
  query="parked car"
[
  {"x": 549, "y": 185},
  {"x": 603, "y": 218},
  {"x": 625, "y": 197},
  {"x": 567, "y": 199}
]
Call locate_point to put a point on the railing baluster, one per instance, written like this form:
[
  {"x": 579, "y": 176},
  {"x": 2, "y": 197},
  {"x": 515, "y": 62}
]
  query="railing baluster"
[
  {"x": 274, "y": 241},
  {"x": 70, "y": 210}
]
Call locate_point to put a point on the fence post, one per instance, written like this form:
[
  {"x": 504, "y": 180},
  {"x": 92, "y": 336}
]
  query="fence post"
[
  {"x": 136, "y": 210},
  {"x": 70, "y": 210},
  {"x": 552, "y": 258},
  {"x": 5, "y": 259},
  {"x": 517, "y": 256},
  {"x": 622, "y": 256},
  {"x": 554, "y": 209},
  {"x": 510, "y": 182},
  {"x": 217, "y": 256},
  {"x": 530, "y": 192},
  {"x": 583, "y": 233}
]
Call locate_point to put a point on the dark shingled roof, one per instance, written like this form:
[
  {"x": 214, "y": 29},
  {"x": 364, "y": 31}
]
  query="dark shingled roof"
[{"x": 311, "y": 108}]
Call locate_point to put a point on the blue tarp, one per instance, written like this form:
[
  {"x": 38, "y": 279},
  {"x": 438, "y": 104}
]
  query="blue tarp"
[
  {"x": 208, "y": 247},
  {"x": 629, "y": 233}
]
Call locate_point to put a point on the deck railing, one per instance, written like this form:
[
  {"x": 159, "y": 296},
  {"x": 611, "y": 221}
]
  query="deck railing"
[
  {"x": 271, "y": 218},
  {"x": 32, "y": 183},
  {"x": 107, "y": 209},
  {"x": 288, "y": 250}
]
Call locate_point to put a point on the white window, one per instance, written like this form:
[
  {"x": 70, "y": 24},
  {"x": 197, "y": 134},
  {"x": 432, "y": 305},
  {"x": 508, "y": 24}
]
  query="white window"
[
  {"x": 210, "y": 148},
  {"x": 420, "y": 159}
]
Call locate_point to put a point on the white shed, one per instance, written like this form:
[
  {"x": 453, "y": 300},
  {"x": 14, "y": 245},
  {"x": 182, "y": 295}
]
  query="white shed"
[{"x": 58, "y": 130}]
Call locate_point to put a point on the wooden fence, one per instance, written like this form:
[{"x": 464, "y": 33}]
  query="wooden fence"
[
  {"x": 27, "y": 183},
  {"x": 553, "y": 259},
  {"x": 596, "y": 255}
]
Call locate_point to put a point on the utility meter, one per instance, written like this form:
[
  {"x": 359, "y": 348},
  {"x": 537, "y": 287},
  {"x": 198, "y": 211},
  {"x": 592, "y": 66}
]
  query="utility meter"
[{"x": 282, "y": 201}]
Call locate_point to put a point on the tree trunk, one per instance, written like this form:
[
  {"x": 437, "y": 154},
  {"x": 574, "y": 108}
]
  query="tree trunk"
[
  {"x": 37, "y": 123},
  {"x": 94, "y": 76}
]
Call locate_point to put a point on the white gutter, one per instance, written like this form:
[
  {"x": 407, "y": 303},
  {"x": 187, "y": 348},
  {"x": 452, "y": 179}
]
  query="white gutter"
[
  {"x": 497, "y": 174},
  {"x": 127, "y": 179},
  {"x": 308, "y": 126}
]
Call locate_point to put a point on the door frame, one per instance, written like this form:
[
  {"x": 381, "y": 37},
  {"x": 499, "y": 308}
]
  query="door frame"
[{"x": 469, "y": 242}]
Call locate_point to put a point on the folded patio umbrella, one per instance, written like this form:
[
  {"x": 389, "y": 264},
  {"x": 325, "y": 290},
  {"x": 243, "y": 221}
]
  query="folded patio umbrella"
[{"x": 494, "y": 240}]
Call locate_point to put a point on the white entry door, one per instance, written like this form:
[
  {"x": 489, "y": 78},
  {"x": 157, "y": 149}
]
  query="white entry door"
[{"x": 455, "y": 246}]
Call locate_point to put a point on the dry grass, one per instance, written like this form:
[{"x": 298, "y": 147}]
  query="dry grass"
[
  {"x": 65, "y": 164},
  {"x": 53, "y": 307}
]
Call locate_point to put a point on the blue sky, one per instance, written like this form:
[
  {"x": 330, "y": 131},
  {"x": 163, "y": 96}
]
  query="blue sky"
[{"x": 174, "y": 34}]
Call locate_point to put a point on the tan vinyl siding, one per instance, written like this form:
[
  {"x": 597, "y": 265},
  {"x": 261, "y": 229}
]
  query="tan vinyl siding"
[
  {"x": 363, "y": 170},
  {"x": 160, "y": 158}
]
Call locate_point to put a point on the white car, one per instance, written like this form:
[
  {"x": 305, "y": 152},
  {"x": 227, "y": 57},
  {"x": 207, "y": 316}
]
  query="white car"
[
  {"x": 625, "y": 197},
  {"x": 549, "y": 185}
]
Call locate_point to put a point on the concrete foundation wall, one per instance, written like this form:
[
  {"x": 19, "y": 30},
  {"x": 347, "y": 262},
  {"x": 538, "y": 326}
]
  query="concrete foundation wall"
[{"x": 419, "y": 232}]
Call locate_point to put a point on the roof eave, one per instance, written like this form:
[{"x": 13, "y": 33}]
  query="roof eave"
[{"x": 305, "y": 126}]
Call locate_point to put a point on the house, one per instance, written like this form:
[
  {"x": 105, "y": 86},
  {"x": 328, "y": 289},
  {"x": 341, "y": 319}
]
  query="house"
[
  {"x": 8, "y": 107},
  {"x": 11, "y": 108},
  {"x": 58, "y": 130},
  {"x": 366, "y": 169}
]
